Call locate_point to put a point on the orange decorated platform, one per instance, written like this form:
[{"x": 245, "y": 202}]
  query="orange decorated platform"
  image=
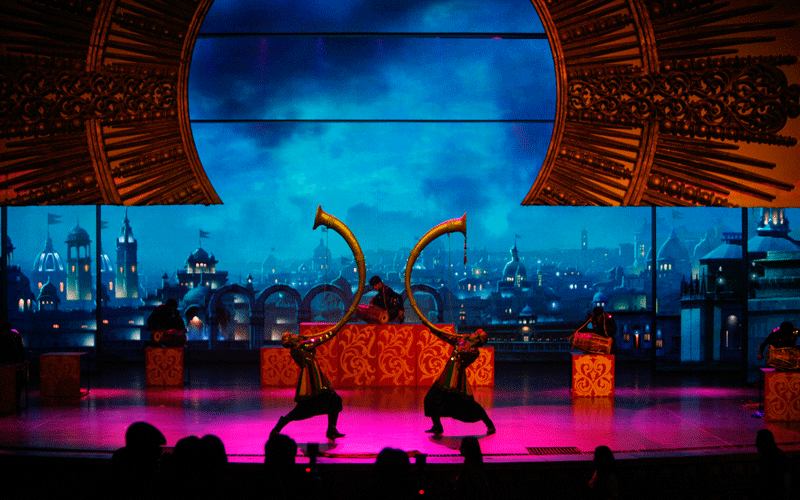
[
  {"x": 377, "y": 356},
  {"x": 781, "y": 395},
  {"x": 163, "y": 366},
  {"x": 592, "y": 375},
  {"x": 60, "y": 374}
]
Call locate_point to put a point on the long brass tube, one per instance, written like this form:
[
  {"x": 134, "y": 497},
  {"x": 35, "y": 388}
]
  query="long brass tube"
[
  {"x": 449, "y": 226},
  {"x": 324, "y": 219}
]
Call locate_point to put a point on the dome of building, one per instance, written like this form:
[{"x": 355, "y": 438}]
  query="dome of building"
[
  {"x": 78, "y": 236},
  {"x": 514, "y": 268},
  {"x": 673, "y": 250},
  {"x": 200, "y": 256},
  {"x": 48, "y": 260},
  {"x": 269, "y": 264},
  {"x": 48, "y": 295},
  {"x": 600, "y": 298},
  {"x": 773, "y": 233}
]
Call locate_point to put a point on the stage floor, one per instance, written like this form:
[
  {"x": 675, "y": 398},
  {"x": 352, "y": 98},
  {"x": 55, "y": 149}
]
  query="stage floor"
[{"x": 652, "y": 414}]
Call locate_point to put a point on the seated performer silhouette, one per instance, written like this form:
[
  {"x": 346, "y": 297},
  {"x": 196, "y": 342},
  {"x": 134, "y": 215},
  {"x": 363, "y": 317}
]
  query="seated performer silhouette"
[
  {"x": 166, "y": 325},
  {"x": 384, "y": 307},
  {"x": 451, "y": 394},
  {"x": 783, "y": 353},
  {"x": 597, "y": 334},
  {"x": 314, "y": 395}
]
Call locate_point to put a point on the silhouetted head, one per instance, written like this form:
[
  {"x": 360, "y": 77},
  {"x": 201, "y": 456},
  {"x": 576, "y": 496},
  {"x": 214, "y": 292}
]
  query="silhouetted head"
[
  {"x": 392, "y": 462},
  {"x": 213, "y": 450},
  {"x": 597, "y": 311},
  {"x": 471, "y": 449},
  {"x": 765, "y": 440},
  {"x": 280, "y": 451},
  {"x": 171, "y": 303},
  {"x": 603, "y": 459},
  {"x": 375, "y": 281},
  {"x": 143, "y": 435}
]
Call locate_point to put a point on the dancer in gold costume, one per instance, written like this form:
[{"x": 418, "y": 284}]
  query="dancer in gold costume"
[
  {"x": 451, "y": 395},
  {"x": 314, "y": 395}
]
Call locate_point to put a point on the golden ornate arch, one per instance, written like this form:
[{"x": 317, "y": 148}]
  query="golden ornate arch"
[
  {"x": 654, "y": 100},
  {"x": 94, "y": 103},
  {"x": 654, "y": 103}
]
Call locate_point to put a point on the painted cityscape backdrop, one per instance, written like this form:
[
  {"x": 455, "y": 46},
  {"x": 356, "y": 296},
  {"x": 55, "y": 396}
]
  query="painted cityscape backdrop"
[{"x": 393, "y": 116}]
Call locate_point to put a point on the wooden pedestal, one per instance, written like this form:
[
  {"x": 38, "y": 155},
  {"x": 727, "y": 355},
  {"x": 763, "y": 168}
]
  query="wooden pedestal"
[
  {"x": 13, "y": 377},
  {"x": 163, "y": 366},
  {"x": 60, "y": 377},
  {"x": 592, "y": 375},
  {"x": 781, "y": 396}
]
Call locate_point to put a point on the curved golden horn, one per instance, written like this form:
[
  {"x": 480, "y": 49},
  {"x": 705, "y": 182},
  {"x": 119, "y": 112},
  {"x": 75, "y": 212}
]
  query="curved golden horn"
[
  {"x": 449, "y": 226},
  {"x": 324, "y": 219}
]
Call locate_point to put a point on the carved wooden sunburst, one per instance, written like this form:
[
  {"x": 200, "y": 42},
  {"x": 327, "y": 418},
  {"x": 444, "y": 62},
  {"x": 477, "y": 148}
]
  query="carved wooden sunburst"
[{"x": 654, "y": 102}]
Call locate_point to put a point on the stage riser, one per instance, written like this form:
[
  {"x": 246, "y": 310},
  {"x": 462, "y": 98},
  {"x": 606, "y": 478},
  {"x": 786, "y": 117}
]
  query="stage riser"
[{"x": 376, "y": 356}]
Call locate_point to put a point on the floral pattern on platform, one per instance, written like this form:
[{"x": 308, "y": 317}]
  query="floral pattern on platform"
[
  {"x": 592, "y": 375},
  {"x": 163, "y": 366},
  {"x": 60, "y": 375},
  {"x": 392, "y": 355},
  {"x": 781, "y": 396}
]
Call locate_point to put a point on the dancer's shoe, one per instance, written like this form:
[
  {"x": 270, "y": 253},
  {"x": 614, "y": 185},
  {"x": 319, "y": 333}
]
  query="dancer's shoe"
[
  {"x": 279, "y": 426},
  {"x": 436, "y": 430},
  {"x": 332, "y": 433}
]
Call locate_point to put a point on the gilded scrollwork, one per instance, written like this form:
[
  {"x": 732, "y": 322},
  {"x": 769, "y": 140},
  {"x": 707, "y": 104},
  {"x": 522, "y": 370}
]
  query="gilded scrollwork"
[
  {"x": 396, "y": 355},
  {"x": 746, "y": 94},
  {"x": 592, "y": 375}
]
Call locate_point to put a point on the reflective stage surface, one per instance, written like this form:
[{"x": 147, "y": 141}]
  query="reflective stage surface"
[{"x": 652, "y": 414}]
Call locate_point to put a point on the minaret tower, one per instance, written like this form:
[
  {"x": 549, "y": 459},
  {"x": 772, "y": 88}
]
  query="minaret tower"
[
  {"x": 79, "y": 265},
  {"x": 127, "y": 280}
]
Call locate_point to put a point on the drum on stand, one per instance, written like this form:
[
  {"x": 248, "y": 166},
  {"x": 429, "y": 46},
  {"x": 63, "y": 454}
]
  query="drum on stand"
[
  {"x": 591, "y": 343},
  {"x": 784, "y": 358},
  {"x": 372, "y": 314}
]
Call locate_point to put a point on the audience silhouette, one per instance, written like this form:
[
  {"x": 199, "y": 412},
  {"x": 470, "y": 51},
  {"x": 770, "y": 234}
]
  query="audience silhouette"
[
  {"x": 283, "y": 478},
  {"x": 197, "y": 468},
  {"x": 774, "y": 480},
  {"x": 391, "y": 476},
  {"x": 603, "y": 484},
  {"x": 137, "y": 465},
  {"x": 471, "y": 482}
]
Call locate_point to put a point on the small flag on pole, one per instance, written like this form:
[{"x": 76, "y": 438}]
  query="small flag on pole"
[
  {"x": 203, "y": 234},
  {"x": 53, "y": 219}
]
